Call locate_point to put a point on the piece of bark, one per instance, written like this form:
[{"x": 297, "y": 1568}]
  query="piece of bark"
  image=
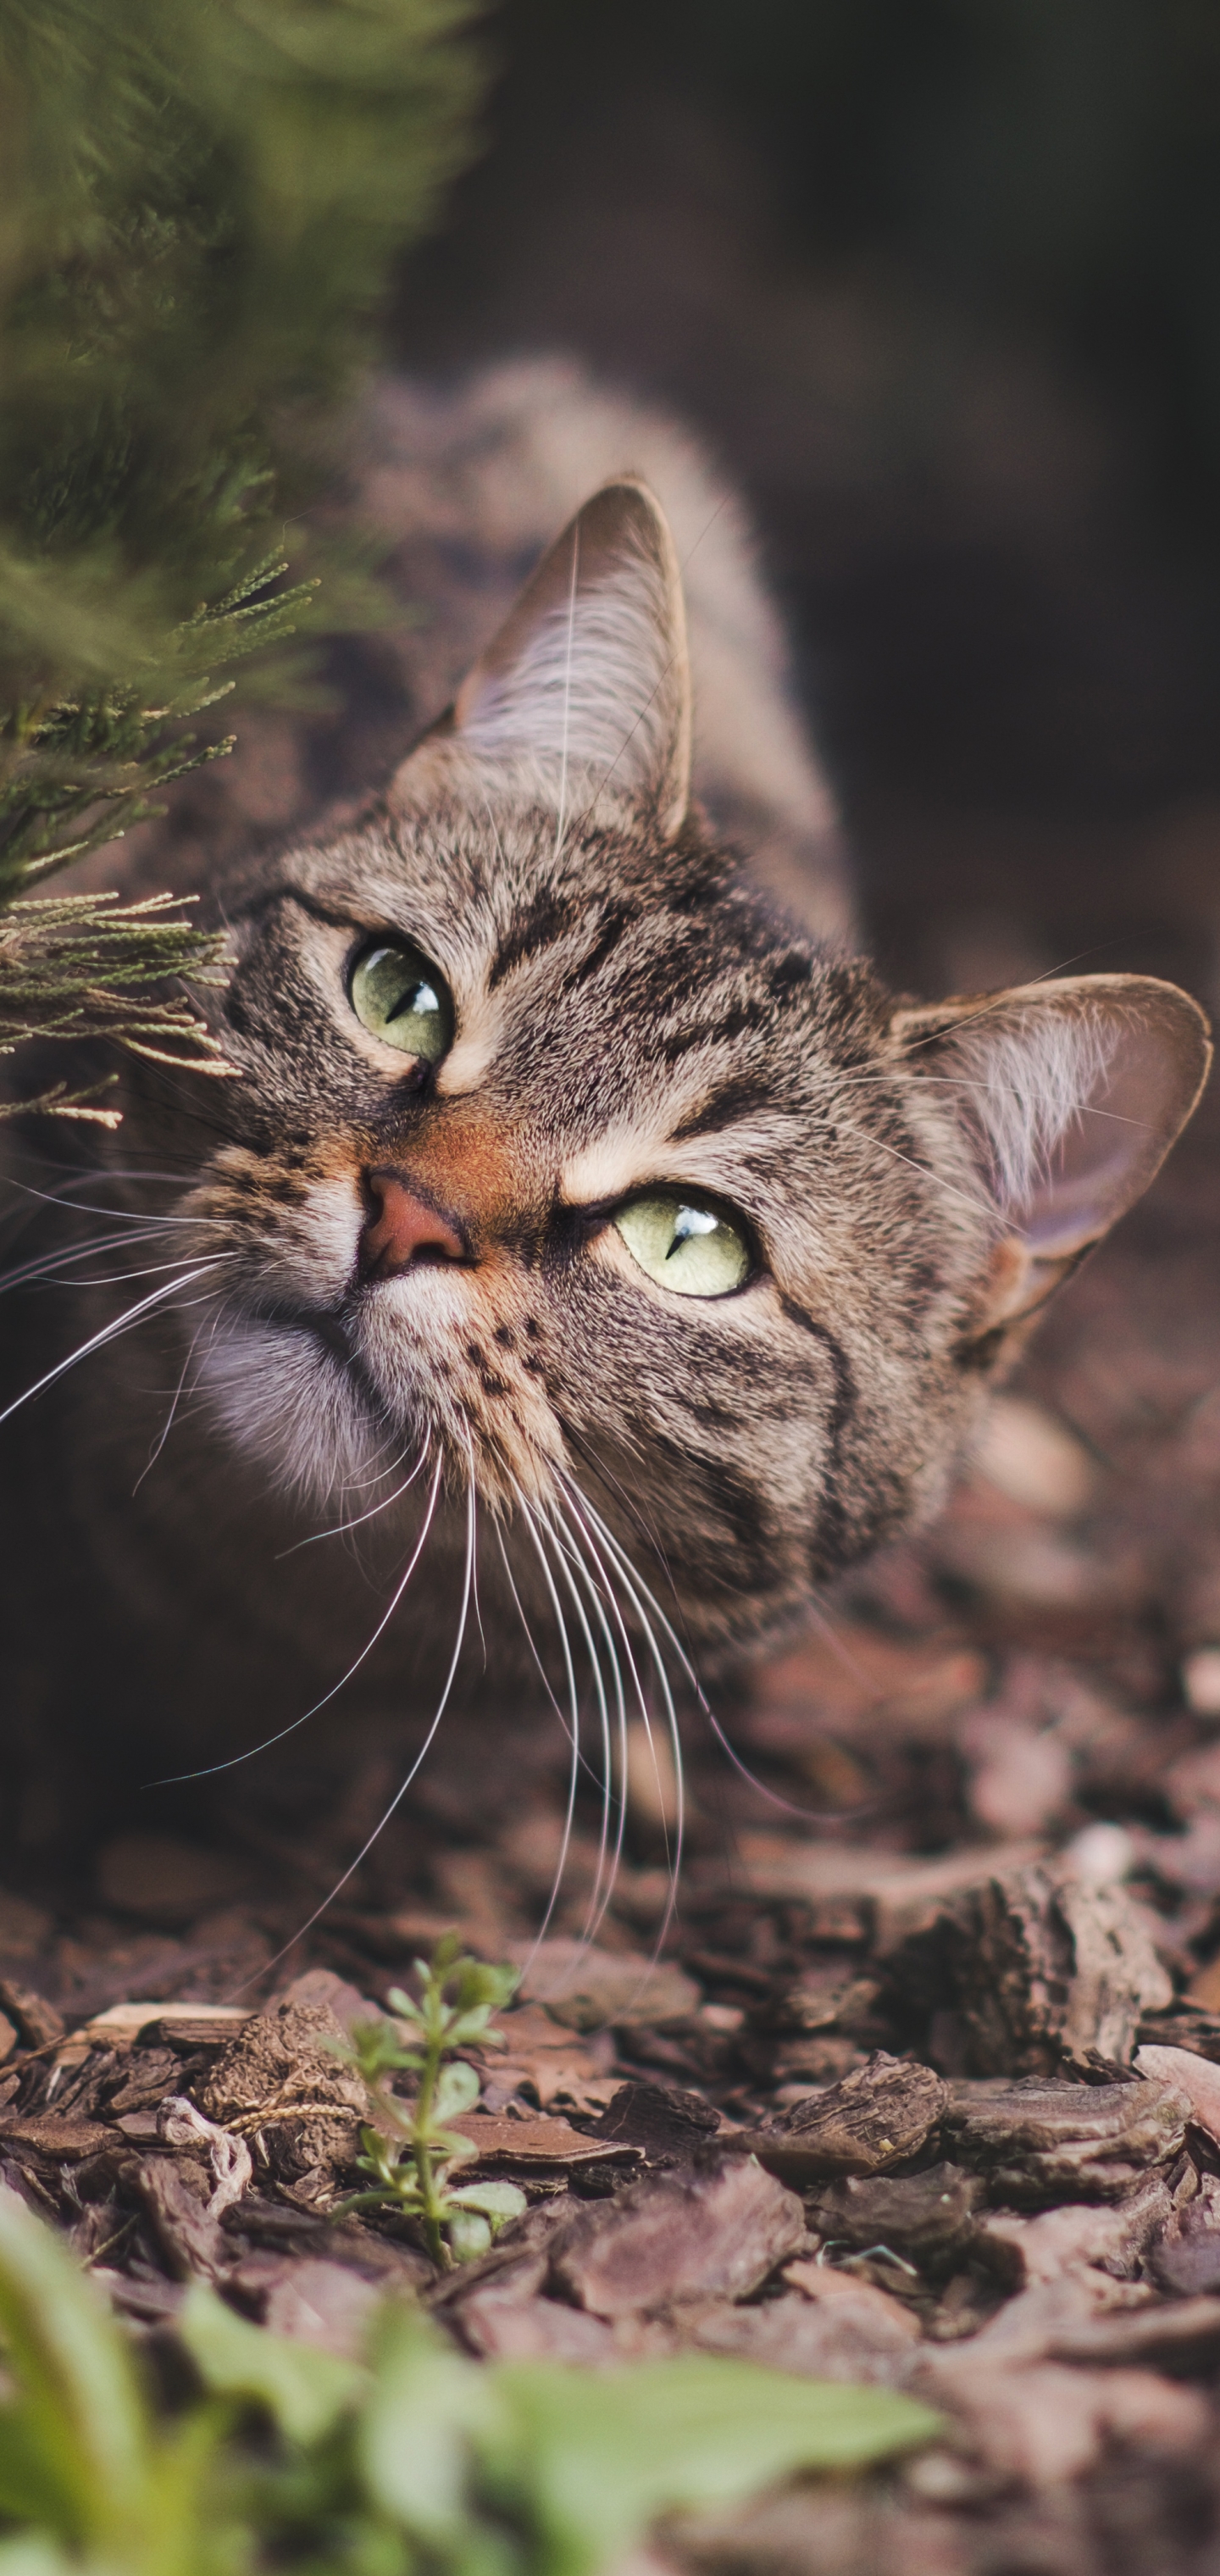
[
  {"x": 549, "y": 2063},
  {"x": 189, "y": 2031},
  {"x": 830, "y": 1997},
  {"x": 123, "y": 2025},
  {"x": 815, "y": 2028},
  {"x": 1048, "y": 2424},
  {"x": 588, "y": 1989},
  {"x": 926, "y": 2217},
  {"x": 875, "y": 2118},
  {"x": 324, "y": 2304},
  {"x": 321, "y": 1986},
  {"x": 522, "y": 2247},
  {"x": 1178, "y": 2335},
  {"x": 663, "y": 2122},
  {"x": 498, "y": 2327},
  {"x": 1113, "y": 2237},
  {"x": 718, "y": 2229},
  {"x": 1185, "y": 2025},
  {"x": 37, "y": 2021},
  {"x": 145, "y": 2077},
  {"x": 147, "y": 2301},
  {"x": 844, "y": 2339},
  {"x": 1043, "y": 2141},
  {"x": 1196, "y": 2077},
  {"x": 1185, "y": 2258},
  {"x": 538, "y": 2146},
  {"x": 175, "y": 2194},
  {"x": 65, "y": 2139},
  {"x": 828, "y": 2288},
  {"x": 903, "y": 1895},
  {"x": 279, "y": 2074},
  {"x": 1038, "y": 1968}
]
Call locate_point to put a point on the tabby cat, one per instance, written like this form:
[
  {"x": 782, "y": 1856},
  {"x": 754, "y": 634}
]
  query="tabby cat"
[{"x": 584, "y": 1231}]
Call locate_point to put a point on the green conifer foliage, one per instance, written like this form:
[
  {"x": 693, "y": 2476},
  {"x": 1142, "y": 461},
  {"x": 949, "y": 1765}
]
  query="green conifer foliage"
[{"x": 200, "y": 201}]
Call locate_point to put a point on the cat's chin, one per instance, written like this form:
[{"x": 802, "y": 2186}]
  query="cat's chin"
[{"x": 291, "y": 1394}]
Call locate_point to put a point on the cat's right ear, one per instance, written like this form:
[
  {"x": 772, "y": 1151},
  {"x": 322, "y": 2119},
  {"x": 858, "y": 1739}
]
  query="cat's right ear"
[
  {"x": 1070, "y": 1095},
  {"x": 590, "y": 669}
]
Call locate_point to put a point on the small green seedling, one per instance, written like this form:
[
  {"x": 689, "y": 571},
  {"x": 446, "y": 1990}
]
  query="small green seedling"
[{"x": 407, "y": 2145}]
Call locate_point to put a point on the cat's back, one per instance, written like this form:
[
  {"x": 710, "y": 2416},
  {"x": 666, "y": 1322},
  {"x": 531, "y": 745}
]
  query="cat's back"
[{"x": 466, "y": 485}]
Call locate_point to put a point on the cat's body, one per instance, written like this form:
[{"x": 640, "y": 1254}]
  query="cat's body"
[{"x": 447, "y": 1261}]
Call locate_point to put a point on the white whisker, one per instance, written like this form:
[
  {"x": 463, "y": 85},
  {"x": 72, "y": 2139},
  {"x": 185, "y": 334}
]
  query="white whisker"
[
  {"x": 572, "y": 1731},
  {"x": 174, "y": 1778},
  {"x": 597, "y": 1902},
  {"x": 420, "y": 1758},
  {"x": 110, "y": 1332},
  {"x": 633, "y": 1585},
  {"x": 343, "y": 1529}
]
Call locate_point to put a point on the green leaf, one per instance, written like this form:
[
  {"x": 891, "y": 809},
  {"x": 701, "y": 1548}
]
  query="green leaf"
[
  {"x": 414, "y": 2435},
  {"x": 469, "y": 2235},
  {"x": 457, "y": 2088},
  {"x": 590, "y": 2459},
  {"x": 305, "y": 2391},
  {"x": 496, "y": 2199},
  {"x": 35, "y": 2557},
  {"x": 78, "y": 2440}
]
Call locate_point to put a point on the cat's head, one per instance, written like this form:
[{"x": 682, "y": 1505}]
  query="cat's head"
[{"x": 557, "y": 1156}]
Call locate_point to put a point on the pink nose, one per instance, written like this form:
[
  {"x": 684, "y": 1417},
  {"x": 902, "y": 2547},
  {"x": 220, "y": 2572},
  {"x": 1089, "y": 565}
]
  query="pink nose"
[{"x": 405, "y": 1229}]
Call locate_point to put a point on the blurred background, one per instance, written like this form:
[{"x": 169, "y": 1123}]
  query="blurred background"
[{"x": 939, "y": 282}]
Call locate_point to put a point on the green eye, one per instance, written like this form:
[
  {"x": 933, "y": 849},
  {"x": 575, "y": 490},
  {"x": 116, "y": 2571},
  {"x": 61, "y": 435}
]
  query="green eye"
[
  {"x": 683, "y": 1246},
  {"x": 400, "y": 998}
]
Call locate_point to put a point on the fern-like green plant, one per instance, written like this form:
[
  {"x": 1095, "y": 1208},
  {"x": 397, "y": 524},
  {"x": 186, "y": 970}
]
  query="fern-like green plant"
[{"x": 199, "y": 208}]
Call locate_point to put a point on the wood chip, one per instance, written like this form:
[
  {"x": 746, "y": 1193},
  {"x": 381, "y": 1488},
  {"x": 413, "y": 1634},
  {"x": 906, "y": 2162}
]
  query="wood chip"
[
  {"x": 324, "y": 2304},
  {"x": 538, "y": 2145},
  {"x": 861, "y": 2336},
  {"x": 1196, "y": 2077},
  {"x": 499, "y": 2327},
  {"x": 720, "y": 2230},
  {"x": 875, "y": 2118},
  {"x": 122, "y": 2024},
  {"x": 1047, "y": 2425},
  {"x": 50, "y": 2135},
  {"x": 1048, "y": 2141},
  {"x": 175, "y": 2192},
  {"x": 928, "y": 2217},
  {"x": 1174, "y": 2334},
  {"x": 903, "y": 1894},
  {"x": 658, "y": 2119},
  {"x": 37, "y": 2021},
  {"x": 1038, "y": 1969},
  {"x": 1113, "y": 2237},
  {"x": 589, "y": 1989},
  {"x": 549, "y": 2062}
]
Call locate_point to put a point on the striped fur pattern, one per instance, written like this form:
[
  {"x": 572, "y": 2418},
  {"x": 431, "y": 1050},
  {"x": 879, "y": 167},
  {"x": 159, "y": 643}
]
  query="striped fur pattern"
[{"x": 631, "y": 1008}]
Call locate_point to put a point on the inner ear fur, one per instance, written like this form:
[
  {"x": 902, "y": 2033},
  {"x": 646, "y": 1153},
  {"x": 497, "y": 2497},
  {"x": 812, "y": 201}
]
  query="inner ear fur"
[
  {"x": 1071, "y": 1094},
  {"x": 590, "y": 669}
]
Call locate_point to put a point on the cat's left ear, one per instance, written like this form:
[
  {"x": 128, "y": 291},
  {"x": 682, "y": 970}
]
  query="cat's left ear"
[
  {"x": 590, "y": 670},
  {"x": 1070, "y": 1095}
]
